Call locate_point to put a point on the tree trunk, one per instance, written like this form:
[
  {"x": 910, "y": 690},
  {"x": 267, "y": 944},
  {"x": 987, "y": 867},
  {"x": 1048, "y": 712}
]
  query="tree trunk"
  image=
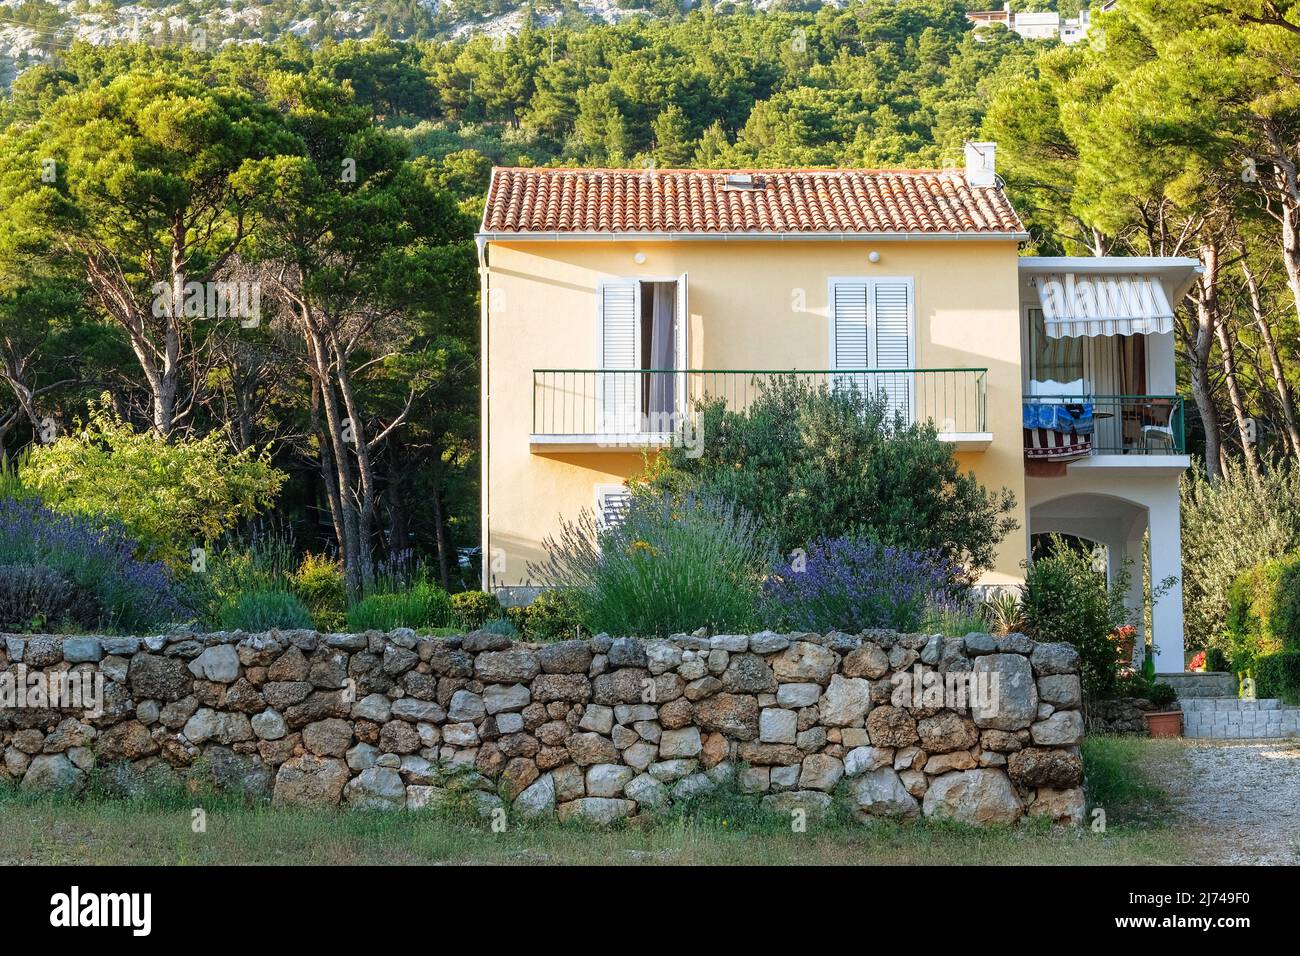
[
  {"x": 1234, "y": 397},
  {"x": 351, "y": 544},
  {"x": 1198, "y": 358},
  {"x": 443, "y": 540},
  {"x": 1280, "y": 384}
]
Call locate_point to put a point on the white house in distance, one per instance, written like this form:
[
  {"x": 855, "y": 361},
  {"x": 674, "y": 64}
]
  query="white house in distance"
[{"x": 1040, "y": 25}]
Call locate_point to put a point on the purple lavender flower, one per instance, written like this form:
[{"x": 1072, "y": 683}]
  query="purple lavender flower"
[
  {"x": 852, "y": 584},
  {"x": 98, "y": 556}
]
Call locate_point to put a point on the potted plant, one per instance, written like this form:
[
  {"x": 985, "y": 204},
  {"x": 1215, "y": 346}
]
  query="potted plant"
[{"x": 1163, "y": 721}]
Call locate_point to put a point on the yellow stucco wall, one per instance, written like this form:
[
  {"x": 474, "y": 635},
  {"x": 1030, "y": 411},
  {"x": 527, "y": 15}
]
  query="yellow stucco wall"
[{"x": 753, "y": 305}]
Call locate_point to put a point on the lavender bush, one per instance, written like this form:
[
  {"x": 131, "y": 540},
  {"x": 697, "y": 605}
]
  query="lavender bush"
[
  {"x": 670, "y": 565},
  {"x": 851, "y": 584},
  {"x": 97, "y": 558}
]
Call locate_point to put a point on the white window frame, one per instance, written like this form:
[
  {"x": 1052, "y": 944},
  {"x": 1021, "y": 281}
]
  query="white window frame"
[
  {"x": 602, "y": 492},
  {"x": 681, "y": 299},
  {"x": 871, "y": 282}
]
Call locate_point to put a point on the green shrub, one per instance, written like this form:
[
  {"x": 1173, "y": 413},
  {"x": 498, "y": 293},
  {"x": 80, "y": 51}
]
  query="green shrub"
[
  {"x": 553, "y": 614},
  {"x": 1263, "y": 616},
  {"x": 473, "y": 609},
  {"x": 1002, "y": 612},
  {"x": 1065, "y": 598},
  {"x": 1162, "y": 695},
  {"x": 1229, "y": 526},
  {"x": 237, "y": 567},
  {"x": 518, "y": 617},
  {"x": 36, "y": 598},
  {"x": 810, "y": 462},
  {"x": 1278, "y": 675},
  {"x": 502, "y": 625},
  {"x": 422, "y": 605},
  {"x": 169, "y": 495},
  {"x": 668, "y": 566},
  {"x": 264, "y": 609},
  {"x": 319, "y": 583}
]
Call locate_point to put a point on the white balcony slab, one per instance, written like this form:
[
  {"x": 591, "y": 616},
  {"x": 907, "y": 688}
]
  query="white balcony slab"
[{"x": 968, "y": 441}]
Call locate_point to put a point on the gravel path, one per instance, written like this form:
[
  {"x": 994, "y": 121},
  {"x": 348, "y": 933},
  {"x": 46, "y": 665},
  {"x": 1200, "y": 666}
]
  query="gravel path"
[{"x": 1240, "y": 798}]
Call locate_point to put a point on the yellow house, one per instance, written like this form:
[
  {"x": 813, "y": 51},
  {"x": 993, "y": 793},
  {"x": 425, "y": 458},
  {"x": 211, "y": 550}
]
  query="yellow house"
[{"x": 613, "y": 300}]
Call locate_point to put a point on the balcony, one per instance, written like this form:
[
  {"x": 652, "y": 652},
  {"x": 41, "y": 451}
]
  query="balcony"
[
  {"x": 606, "y": 409},
  {"x": 1073, "y": 428}
]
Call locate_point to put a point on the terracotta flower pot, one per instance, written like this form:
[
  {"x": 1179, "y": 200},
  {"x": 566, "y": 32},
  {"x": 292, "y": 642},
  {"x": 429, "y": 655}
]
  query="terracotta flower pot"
[{"x": 1165, "y": 723}]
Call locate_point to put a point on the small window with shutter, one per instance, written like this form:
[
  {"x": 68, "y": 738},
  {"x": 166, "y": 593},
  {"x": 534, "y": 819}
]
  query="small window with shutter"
[
  {"x": 871, "y": 335},
  {"x": 611, "y": 504}
]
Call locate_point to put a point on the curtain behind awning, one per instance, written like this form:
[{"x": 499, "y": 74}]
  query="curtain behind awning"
[{"x": 1077, "y": 304}]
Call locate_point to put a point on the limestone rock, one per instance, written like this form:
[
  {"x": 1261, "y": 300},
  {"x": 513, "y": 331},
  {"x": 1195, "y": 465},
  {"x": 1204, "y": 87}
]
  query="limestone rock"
[
  {"x": 377, "y": 788},
  {"x": 565, "y": 657},
  {"x": 51, "y": 773},
  {"x": 845, "y": 702},
  {"x": 946, "y": 731},
  {"x": 219, "y": 663},
  {"x": 588, "y": 749},
  {"x": 676, "y": 744},
  {"x": 812, "y": 803},
  {"x": 601, "y": 811},
  {"x": 158, "y": 678},
  {"x": 1060, "y": 690},
  {"x": 777, "y": 726},
  {"x": 537, "y": 799},
  {"x": 328, "y": 738},
  {"x": 646, "y": 791},
  {"x": 310, "y": 780},
  {"x": 1051, "y": 659},
  {"x": 1041, "y": 767},
  {"x": 1064, "y": 728},
  {"x": 608, "y": 780},
  {"x": 748, "y": 674},
  {"x": 869, "y": 660},
  {"x": 1012, "y": 693},
  {"x": 862, "y": 760},
  {"x": 803, "y": 661},
  {"x": 1060, "y": 806},
  {"x": 820, "y": 772},
  {"x": 890, "y": 726},
  {"x": 881, "y": 793},
  {"x": 517, "y": 666},
  {"x": 978, "y": 797},
  {"x": 735, "y": 715}
]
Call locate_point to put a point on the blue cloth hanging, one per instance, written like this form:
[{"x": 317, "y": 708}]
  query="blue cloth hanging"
[{"x": 1059, "y": 417}]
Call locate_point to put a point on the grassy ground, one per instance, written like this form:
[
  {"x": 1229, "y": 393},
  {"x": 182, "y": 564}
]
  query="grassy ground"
[{"x": 157, "y": 828}]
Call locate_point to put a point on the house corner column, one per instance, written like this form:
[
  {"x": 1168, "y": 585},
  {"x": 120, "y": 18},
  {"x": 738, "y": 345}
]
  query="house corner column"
[
  {"x": 1135, "y": 598},
  {"x": 1166, "y": 562}
]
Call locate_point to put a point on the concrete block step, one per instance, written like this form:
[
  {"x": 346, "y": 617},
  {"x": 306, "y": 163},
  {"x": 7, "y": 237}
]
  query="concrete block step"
[{"x": 1231, "y": 719}]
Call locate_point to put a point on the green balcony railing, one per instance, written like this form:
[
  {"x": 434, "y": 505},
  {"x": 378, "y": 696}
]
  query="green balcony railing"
[
  {"x": 652, "y": 402},
  {"x": 1129, "y": 424}
]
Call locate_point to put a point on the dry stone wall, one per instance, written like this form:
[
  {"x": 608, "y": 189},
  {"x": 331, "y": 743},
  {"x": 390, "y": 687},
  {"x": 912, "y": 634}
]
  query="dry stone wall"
[{"x": 899, "y": 725}]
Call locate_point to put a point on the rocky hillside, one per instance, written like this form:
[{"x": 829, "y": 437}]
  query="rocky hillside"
[{"x": 31, "y": 29}]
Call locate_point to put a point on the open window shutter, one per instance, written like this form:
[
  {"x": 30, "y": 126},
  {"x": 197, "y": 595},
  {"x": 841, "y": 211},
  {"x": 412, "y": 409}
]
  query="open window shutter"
[
  {"x": 681, "y": 327},
  {"x": 620, "y": 348},
  {"x": 892, "y": 302},
  {"x": 852, "y": 343}
]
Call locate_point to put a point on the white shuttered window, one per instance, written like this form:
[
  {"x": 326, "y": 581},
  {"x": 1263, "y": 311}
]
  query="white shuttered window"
[
  {"x": 872, "y": 328},
  {"x": 620, "y": 348}
]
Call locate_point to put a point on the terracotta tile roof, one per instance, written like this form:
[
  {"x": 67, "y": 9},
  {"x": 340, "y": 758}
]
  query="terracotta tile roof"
[{"x": 785, "y": 202}]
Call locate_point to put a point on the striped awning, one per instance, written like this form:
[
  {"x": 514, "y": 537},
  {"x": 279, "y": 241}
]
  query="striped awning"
[{"x": 1076, "y": 304}]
